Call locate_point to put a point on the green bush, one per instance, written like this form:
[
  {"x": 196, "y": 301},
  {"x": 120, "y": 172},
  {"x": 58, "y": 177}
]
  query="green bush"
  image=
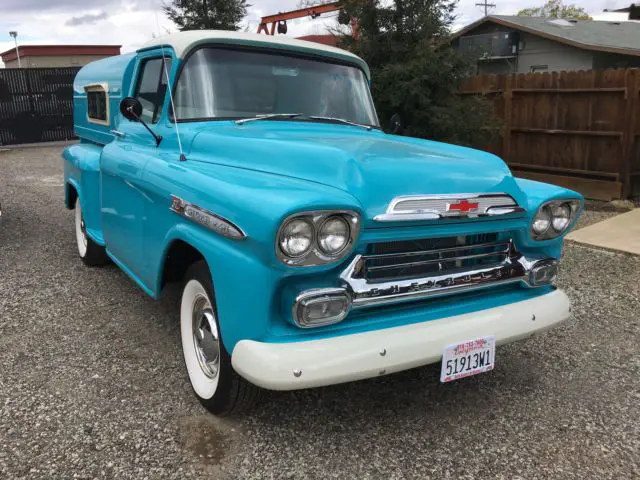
[{"x": 417, "y": 73}]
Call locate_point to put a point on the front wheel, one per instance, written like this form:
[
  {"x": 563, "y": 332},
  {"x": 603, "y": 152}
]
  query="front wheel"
[
  {"x": 218, "y": 387},
  {"x": 90, "y": 252}
]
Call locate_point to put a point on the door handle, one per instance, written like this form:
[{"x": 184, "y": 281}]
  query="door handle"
[{"x": 118, "y": 133}]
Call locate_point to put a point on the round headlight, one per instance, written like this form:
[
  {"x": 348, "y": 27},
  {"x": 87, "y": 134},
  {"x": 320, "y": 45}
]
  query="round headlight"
[
  {"x": 333, "y": 235},
  {"x": 296, "y": 238},
  {"x": 541, "y": 221},
  {"x": 561, "y": 215}
]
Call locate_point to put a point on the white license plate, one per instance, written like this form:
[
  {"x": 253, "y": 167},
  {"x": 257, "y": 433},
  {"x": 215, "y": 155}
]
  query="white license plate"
[{"x": 468, "y": 358}]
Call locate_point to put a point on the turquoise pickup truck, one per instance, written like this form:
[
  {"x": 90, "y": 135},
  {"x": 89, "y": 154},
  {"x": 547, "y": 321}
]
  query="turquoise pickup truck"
[{"x": 313, "y": 247}]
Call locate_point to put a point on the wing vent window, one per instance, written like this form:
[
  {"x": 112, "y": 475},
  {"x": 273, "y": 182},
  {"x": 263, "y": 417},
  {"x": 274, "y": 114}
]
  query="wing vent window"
[
  {"x": 152, "y": 87},
  {"x": 97, "y": 104}
]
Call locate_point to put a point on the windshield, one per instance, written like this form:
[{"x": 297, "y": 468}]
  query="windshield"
[{"x": 228, "y": 83}]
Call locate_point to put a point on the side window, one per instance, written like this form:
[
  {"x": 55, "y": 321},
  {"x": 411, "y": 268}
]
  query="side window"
[
  {"x": 97, "y": 104},
  {"x": 151, "y": 88}
]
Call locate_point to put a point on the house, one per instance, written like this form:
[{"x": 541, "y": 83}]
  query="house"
[
  {"x": 515, "y": 44},
  {"x": 32, "y": 56}
]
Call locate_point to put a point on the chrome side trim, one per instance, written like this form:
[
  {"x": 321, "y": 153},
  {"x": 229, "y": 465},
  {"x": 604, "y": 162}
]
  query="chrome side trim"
[
  {"x": 118, "y": 133},
  {"x": 207, "y": 218},
  {"x": 364, "y": 293},
  {"x": 433, "y": 207}
]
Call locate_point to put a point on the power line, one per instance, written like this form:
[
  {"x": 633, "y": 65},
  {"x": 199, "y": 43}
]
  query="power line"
[{"x": 486, "y": 6}]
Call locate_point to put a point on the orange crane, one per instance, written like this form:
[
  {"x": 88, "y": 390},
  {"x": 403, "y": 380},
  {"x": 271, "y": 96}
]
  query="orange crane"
[{"x": 280, "y": 19}]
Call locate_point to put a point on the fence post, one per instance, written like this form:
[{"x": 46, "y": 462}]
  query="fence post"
[
  {"x": 506, "y": 131},
  {"x": 629, "y": 132}
]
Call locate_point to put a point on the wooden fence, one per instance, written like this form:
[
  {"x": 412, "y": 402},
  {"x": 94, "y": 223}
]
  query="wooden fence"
[{"x": 577, "y": 129}]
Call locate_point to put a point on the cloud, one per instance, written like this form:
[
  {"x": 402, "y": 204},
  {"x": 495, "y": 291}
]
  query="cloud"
[
  {"x": 87, "y": 19},
  {"x": 75, "y": 6}
]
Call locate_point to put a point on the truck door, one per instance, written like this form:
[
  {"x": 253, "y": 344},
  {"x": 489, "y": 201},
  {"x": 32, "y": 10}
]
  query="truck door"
[{"x": 122, "y": 165}]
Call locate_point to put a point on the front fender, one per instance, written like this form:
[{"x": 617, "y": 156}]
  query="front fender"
[
  {"x": 257, "y": 202},
  {"x": 240, "y": 281},
  {"x": 536, "y": 194},
  {"x": 245, "y": 273},
  {"x": 82, "y": 171}
]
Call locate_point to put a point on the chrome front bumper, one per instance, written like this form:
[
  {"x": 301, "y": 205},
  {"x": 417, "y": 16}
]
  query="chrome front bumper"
[{"x": 515, "y": 269}]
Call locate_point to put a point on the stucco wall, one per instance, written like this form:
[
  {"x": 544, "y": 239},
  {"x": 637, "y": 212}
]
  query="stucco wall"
[
  {"x": 537, "y": 51},
  {"x": 54, "y": 61}
]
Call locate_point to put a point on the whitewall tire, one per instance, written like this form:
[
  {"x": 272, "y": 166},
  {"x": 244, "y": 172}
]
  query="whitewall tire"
[
  {"x": 218, "y": 387},
  {"x": 200, "y": 339},
  {"x": 90, "y": 252}
]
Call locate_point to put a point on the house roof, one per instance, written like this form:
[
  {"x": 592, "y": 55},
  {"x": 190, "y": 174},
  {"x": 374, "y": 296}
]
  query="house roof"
[
  {"x": 182, "y": 42},
  {"x": 614, "y": 37},
  {"x": 60, "y": 50}
]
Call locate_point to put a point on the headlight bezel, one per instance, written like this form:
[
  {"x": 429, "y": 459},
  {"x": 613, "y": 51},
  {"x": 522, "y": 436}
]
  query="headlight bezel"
[
  {"x": 551, "y": 232},
  {"x": 315, "y": 256}
]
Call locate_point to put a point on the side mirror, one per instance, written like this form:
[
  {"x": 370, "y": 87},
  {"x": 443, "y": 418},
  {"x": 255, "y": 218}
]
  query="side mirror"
[
  {"x": 131, "y": 109},
  {"x": 395, "y": 124}
]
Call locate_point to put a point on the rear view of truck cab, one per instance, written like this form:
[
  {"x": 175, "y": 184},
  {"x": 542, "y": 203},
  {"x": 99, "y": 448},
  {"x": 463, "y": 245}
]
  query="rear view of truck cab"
[{"x": 312, "y": 247}]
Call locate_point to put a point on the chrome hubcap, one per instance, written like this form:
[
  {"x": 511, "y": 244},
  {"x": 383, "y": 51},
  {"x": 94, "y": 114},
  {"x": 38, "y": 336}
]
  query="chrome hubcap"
[
  {"x": 83, "y": 230},
  {"x": 205, "y": 337}
]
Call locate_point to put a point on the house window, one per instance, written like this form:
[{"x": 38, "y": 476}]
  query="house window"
[
  {"x": 152, "y": 87},
  {"x": 97, "y": 104},
  {"x": 539, "y": 68}
]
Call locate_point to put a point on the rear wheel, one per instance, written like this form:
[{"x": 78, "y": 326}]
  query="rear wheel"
[
  {"x": 90, "y": 252},
  {"x": 218, "y": 387}
]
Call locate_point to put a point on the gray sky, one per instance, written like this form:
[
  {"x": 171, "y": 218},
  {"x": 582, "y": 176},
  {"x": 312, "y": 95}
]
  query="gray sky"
[{"x": 132, "y": 22}]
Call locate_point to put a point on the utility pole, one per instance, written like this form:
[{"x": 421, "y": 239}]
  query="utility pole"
[
  {"x": 486, "y": 6},
  {"x": 14, "y": 34}
]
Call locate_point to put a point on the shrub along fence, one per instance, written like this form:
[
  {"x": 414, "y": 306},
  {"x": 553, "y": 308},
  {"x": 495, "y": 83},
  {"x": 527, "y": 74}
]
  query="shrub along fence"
[
  {"x": 577, "y": 129},
  {"x": 36, "y": 104}
]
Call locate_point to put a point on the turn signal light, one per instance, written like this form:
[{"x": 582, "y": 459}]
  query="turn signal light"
[
  {"x": 543, "y": 272},
  {"x": 315, "y": 308}
]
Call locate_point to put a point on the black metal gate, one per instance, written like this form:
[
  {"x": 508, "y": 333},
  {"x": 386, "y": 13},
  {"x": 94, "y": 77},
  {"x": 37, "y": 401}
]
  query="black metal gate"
[{"x": 36, "y": 104}]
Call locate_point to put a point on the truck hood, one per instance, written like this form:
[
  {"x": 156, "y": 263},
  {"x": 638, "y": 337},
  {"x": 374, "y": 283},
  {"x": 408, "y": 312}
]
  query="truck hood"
[{"x": 371, "y": 166}]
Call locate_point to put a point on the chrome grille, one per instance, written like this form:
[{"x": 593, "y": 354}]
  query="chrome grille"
[{"x": 435, "y": 256}]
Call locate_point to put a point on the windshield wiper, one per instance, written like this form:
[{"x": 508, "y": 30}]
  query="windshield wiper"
[
  {"x": 268, "y": 116},
  {"x": 341, "y": 120},
  {"x": 301, "y": 115}
]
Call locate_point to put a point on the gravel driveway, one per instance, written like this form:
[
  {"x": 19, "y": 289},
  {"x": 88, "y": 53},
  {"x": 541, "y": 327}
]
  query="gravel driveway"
[{"x": 92, "y": 383}]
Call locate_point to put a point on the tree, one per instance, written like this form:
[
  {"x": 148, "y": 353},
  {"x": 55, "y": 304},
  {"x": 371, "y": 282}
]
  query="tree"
[
  {"x": 556, "y": 9},
  {"x": 206, "y": 14},
  {"x": 416, "y": 72}
]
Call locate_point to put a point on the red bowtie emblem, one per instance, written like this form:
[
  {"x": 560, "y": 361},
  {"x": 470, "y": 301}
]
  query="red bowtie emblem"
[{"x": 463, "y": 206}]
